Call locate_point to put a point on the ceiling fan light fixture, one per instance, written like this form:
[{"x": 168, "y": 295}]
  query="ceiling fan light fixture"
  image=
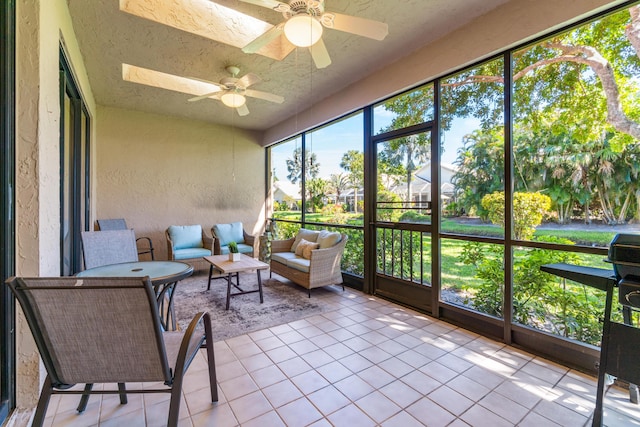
[
  {"x": 233, "y": 100},
  {"x": 303, "y": 30}
]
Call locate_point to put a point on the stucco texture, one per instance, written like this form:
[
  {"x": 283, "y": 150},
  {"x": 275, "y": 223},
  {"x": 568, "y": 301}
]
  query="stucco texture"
[{"x": 155, "y": 171}]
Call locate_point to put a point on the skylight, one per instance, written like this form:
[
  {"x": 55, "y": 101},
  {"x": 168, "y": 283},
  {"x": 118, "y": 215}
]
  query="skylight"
[
  {"x": 206, "y": 19},
  {"x": 148, "y": 77}
]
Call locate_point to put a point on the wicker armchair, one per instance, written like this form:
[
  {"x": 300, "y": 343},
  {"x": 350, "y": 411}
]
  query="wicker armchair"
[
  {"x": 224, "y": 233},
  {"x": 194, "y": 253},
  {"x": 324, "y": 264}
]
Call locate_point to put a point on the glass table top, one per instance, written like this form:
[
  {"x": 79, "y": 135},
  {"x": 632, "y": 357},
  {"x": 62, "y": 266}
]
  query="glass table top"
[{"x": 158, "y": 271}]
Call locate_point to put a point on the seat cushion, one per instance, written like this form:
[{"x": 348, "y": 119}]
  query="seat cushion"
[
  {"x": 242, "y": 248},
  {"x": 228, "y": 233},
  {"x": 282, "y": 257},
  {"x": 186, "y": 236},
  {"x": 191, "y": 253},
  {"x": 299, "y": 263},
  {"x": 308, "y": 235},
  {"x": 327, "y": 239}
]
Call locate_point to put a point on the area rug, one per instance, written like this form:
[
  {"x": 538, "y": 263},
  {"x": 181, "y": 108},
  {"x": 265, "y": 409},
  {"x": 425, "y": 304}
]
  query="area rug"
[{"x": 284, "y": 302}]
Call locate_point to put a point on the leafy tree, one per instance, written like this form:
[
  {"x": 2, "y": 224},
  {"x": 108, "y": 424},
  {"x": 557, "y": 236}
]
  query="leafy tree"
[
  {"x": 576, "y": 100},
  {"x": 480, "y": 166}
]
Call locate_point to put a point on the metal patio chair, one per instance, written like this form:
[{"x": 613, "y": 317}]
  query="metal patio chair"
[
  {"x": 122, "y": 341},
  {"x": 121, "y": 224},
  {"x": 108, "y": 247}
]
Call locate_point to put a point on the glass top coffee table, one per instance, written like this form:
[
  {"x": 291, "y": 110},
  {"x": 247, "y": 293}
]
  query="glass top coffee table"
[
  {"x": 246, "y": 263},
  {"x": 164, "y": 276}
]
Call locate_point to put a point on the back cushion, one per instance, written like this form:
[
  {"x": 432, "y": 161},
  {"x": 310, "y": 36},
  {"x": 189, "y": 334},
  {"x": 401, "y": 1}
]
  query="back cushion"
[
  {"x": 186, "y": 236},
  {"x": 228, "y": 233},
  {"x": 303, "y": 233},
  {"x": 327, "y": 239}
]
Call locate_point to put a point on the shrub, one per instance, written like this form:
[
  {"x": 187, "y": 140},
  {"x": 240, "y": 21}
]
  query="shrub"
[
  {"x": 413, "y": 216},
  {"x": 528, "y": 211}
]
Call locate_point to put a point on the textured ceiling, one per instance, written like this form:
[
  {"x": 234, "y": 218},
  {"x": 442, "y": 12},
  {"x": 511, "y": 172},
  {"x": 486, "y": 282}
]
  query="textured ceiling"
[{"x": 109, "y": 37}]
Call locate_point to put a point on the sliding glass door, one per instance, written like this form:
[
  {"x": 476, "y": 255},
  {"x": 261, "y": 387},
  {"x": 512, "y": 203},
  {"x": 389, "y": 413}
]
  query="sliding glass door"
[
  {"x": 7, "y": 240},
  {"x": 74, "y": 167}
]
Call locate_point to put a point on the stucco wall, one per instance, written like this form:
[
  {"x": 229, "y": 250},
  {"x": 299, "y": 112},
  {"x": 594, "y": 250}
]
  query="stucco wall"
[
  {"x": 41, "y": 26},
  {"x": 506, "y": 26},
  {"x": 155, "y": 171}
]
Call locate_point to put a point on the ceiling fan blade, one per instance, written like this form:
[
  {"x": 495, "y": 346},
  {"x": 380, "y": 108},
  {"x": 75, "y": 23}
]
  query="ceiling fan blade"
[
  {"x": 264, "y": 95},
  {"x": 271, "y": 4},
  {"x": 263, "y": 40},
  {"x": 248, "y": 80},
  {"x": 206, "y": 95},
  {"x": 243, "y": 110},
  {"x": 222, "y": 87},
  {"x": 320, "y": 54},
  {"x": 355, "y": 25}
]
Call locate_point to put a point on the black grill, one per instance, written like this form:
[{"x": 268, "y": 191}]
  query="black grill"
[
  {"x": 624, "y": 254},
  {"x": 620, "y": 348}
]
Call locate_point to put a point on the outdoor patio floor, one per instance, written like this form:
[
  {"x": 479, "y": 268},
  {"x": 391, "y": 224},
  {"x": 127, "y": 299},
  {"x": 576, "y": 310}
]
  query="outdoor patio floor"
[{"x": 366, "y": 362}]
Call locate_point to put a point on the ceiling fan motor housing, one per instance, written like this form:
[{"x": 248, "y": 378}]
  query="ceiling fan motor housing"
[{"x": 313, "y": 8}]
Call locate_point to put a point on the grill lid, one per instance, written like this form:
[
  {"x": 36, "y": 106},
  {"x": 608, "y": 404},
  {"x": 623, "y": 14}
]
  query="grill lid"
[{"x": 624, "y": 253}]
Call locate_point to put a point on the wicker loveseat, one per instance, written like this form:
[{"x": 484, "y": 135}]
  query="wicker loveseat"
[{"x": 322, "y": 265}]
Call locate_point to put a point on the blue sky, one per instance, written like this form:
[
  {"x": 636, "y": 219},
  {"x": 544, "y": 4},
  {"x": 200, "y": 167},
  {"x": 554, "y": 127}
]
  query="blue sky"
[{"x": 331, "y": 142}]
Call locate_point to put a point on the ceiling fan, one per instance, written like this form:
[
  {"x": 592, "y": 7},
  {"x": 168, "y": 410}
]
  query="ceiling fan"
[
  {"x": 303, "y": 26},
  {"x": 233, "y": 91}
]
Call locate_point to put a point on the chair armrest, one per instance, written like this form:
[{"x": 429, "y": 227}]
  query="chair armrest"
[
  {"x": 170, "y": 255},
  {"x": 282, "y": 245},
  {"x": 195, "y": 338},
  {"x": 207, "y": 242},
  {"x": 248, "y": 238},
  {"x": 327, "y": 261}
]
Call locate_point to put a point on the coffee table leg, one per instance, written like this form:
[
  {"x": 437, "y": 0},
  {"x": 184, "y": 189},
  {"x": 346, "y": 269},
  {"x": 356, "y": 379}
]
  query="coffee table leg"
[
  {"x": 228, "y": 290},
  {"x": 260, "y": 287},
  {"x": 210, "y": 274}
]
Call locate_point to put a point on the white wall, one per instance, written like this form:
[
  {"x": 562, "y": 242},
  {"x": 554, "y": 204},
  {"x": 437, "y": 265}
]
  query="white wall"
[
  {"x": 155, "y": 171},
  {"x": 41, "y": 26}
]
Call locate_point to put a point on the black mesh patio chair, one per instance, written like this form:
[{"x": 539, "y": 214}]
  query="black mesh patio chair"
[
  {"x": 120, "y": 342},
  {"x": 108, "y": 247},
  {"x": 120, "y": 224}
]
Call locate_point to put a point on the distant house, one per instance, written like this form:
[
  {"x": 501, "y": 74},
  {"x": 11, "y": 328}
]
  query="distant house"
[
  {"x": 421, "y": 184},
  {"x": 287, "y": 193}
]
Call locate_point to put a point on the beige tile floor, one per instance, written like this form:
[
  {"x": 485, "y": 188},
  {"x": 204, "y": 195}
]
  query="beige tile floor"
[{"x": 365, "y": 362}]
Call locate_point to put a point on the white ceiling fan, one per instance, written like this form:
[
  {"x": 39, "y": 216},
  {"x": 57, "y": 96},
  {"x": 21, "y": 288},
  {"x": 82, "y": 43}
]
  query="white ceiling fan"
[
  {"x": 233, "y": 91},
  {"x": 303, "y": 26}
]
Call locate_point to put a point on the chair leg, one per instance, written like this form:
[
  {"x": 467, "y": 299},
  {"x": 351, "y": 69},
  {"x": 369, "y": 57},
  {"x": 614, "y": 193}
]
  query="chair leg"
[
  {"x": 85, "y": 397},
  {"x": 309, "y": 291},
  {"x": 123, "y": 393},
  {"x": 211, "y": 361},
  {"x": 43, "y": 403},
  {"x": 174, "y": 405}
]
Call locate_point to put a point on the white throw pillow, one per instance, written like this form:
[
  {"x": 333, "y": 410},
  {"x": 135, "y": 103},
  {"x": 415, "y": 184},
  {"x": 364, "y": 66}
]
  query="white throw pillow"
[
  {"x": 304, "y": 248},
  {"x": 308, "y": 235}
]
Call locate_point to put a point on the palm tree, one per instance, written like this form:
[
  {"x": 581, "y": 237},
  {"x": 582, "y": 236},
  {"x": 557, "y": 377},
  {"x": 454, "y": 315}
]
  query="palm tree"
[
  {"x": 411, "y": 152},
  {"x": 338, "y": 183},
  {"x": 353, "y": 162},
  {"x": 294, "y": 166}
]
